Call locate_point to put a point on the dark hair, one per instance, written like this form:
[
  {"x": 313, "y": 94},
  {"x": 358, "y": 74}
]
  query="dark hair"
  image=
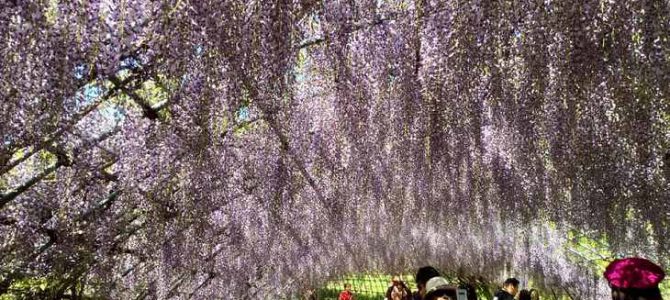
[
  {"x": 524, "y": 295},
  {"x": 513, "y": 281},
  {"x": 424, "y": 274},
  {"x": 635, "y": 294}
]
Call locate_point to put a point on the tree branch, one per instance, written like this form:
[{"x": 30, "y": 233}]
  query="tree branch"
[
  {"x": 356, "y": 27},
  {"x": 147, "y": 109},
  {"x": 68, "y": 126},
  {"x": 6, "y": 198}
]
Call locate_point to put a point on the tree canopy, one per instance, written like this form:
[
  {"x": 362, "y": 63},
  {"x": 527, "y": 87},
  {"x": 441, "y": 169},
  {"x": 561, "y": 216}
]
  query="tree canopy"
[{"x": 247, "y": 149}]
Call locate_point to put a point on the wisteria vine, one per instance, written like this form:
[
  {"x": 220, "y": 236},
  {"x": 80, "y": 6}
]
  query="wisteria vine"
[{"x": 252, "y": 149}]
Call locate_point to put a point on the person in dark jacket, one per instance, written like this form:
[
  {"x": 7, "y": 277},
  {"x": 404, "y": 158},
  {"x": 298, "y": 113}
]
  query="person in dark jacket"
[
  {"x": 509, "y": 290},
  {"x": 470, "y": 289}
]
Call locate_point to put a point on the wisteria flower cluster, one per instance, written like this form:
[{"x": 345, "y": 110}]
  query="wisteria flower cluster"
[{"x": 244, "y": 149}]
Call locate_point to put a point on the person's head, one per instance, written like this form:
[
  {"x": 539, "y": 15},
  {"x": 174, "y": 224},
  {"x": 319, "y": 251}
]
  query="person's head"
[
  {"x": 534, "y": 294},
  {"x": 524, "y": 295},
  {"x": 396, "y": 280},
  {"x": 634, "y": 278},
  {"x": 636, "y": 294},
  {"x": 437, "y": 288},
  {"x": 511, "y": 285},
  {"x": 422, "y": 276},
  {"x": 347, "y": 286}
]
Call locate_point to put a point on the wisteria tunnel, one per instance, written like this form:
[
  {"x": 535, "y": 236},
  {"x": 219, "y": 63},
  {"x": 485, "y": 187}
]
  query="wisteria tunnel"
[{"x": 252, "y": 149}]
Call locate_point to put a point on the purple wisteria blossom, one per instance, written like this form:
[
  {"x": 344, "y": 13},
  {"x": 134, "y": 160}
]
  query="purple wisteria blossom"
[{"x": 250, "y": 149}]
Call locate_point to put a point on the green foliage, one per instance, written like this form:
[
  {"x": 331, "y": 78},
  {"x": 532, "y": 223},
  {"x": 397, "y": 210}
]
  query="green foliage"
[
  {"x": 27, "y": 288},
  {"x": 592, "y": 252},
  {"x": 595, "y": 253},
  {"x": 152, "y": 92}
]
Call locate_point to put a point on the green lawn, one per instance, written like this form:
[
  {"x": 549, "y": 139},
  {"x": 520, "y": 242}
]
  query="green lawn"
[{"x": 365, "y": 286}]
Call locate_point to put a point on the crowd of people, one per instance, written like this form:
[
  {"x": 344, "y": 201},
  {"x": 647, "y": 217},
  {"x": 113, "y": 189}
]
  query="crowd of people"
[{"x": 629, "y": 279}]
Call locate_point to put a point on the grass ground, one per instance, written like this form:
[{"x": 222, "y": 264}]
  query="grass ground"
[{"x": 365, "y": 286}]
